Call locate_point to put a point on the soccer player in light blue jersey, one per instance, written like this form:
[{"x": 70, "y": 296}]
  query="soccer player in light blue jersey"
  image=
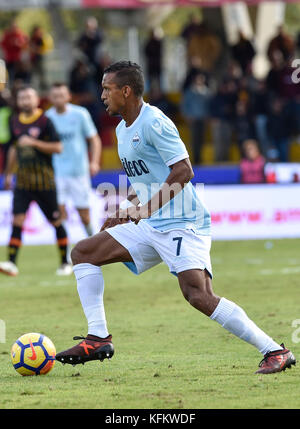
[
  {"x": 163, "y": 220},
  {"x": 72, "y": 167}
]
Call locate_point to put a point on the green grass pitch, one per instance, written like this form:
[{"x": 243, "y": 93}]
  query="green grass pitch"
[{"x": 168, "y": 355}]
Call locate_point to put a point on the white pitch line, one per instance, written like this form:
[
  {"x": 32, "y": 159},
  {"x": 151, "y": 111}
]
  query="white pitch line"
[{"x": 287, "y": 270}]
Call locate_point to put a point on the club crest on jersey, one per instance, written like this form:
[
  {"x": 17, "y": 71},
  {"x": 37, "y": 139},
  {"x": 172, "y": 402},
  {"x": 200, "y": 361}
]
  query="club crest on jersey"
[
  {"x": 34, "y": 132},
  {"x": 136, "y": 140}
]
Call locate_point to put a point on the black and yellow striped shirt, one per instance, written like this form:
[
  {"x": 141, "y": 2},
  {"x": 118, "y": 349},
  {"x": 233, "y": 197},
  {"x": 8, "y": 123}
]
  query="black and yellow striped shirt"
[{"x": 35, "y": 171}]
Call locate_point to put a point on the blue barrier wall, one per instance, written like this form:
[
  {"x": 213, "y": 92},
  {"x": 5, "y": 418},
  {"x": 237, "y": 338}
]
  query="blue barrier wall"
[{"x": 212, "y": 175}]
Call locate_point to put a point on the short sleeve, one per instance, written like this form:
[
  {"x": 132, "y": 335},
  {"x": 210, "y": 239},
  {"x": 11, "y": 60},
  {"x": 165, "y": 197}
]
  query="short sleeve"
[
  {"x": 50, "y": 131},
  {"x": 163, "y": 135},
  {"x": 88, "y": 126}
]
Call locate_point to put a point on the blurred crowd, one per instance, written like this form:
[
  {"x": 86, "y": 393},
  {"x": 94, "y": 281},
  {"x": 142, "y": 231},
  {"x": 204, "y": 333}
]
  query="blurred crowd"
[{"x": 219, "y": 103}]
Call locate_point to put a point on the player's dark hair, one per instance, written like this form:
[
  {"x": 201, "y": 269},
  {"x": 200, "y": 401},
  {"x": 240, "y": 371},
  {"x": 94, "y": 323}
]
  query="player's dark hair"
[
  {"x": 128, "y": 73},
  {"x": 59, "y": 85}
]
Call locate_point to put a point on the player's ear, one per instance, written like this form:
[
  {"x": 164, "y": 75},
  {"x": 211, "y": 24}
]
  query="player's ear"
[{"x": 126, "y": 91}]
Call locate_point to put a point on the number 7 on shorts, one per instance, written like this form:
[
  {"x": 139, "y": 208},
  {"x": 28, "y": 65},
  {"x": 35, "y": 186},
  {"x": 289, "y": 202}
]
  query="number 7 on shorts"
[{"x": 179, "y": 240}]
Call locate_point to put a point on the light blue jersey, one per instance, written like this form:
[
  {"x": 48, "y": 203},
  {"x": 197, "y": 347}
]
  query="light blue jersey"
[
  {"x": 73, "y": 127},
  {"x": 147, "y": 149}
]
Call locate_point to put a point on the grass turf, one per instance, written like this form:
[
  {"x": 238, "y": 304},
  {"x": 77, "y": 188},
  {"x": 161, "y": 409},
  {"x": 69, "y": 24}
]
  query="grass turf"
[{"x": 168, "y": 355}]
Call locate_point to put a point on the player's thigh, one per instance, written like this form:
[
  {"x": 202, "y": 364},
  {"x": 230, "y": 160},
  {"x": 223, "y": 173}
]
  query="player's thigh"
[
  {"x": 61, "y": 190},
  {"x": 100, "y": 249},
  {"x": 47, "y": 201},
  {"x": 182, "y": 249},
  {"x": 21, "y": 202},
  {"x": 79, "y": 190}
]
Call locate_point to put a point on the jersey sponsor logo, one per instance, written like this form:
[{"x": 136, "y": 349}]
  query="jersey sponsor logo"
[
  {"x": 66, "y": 136},
  {"x": 135, "y": 168}
]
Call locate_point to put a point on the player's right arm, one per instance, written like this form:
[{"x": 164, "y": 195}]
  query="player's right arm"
[
  {"x": 10, "y": 165},
  {"x": 115, "y": 219},
  {"x": 51, "y": 145}
]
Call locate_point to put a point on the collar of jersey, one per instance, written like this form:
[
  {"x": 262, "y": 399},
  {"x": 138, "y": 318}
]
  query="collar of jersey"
[
  {"x": 29, "y": 119},
  {"x": 138, "y": 117}
]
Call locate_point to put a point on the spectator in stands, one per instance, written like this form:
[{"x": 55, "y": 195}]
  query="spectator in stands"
[
  {"x": 279, "y": 126},
  {"x": 153, "y": 55},
  {"x": 252, "y": 163},
  {"x": 104, "y": 61},
  {"x": 293, "y": 108},
  {"x": 195, "y": 108},
  {"x": 13, "y": 43},
  {"x": 260, "y": 106},
  {"x": 203, "y": 43},
  {"x": 192, "y": 28},
  {"x": 22, "y": 72},
  {"x": 5, "y": 135},
  {"x": 233, "y": 71},
  {"x": 244, "y": 90},
  {"x": 282, "y": 42},
  {"x": 194, "y": 69},
  {"x": 39, "y": 44},
  {"x": 90, "y": 40},
  {"x": 84, "y": 89},
  {"x": 159, "y": 99},
  {"x": 279, "y": 78},
  {"x": 243, "y": 52},
  {"x": 243, "y": 123},
  {"x": 222, "y": 113}
]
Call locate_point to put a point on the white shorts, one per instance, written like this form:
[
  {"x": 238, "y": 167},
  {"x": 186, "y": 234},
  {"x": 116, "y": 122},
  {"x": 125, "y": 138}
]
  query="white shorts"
[
  {"x": 75, "y": 188},
  {"x": 180, "y": 249}
]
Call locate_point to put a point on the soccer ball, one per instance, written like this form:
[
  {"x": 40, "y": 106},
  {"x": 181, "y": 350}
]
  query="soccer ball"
[{"x": 33, "y": 354}]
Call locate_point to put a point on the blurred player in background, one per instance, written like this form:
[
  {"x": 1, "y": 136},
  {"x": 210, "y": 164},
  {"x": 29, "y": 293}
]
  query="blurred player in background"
[
  {"x": 34, "y": 140},
  {"x": 155, "y": 224},
  {"x": 72, "y": 166}
]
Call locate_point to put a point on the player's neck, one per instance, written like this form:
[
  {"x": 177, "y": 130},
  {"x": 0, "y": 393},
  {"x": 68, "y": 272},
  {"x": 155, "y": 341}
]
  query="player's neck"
[
  {"x": 132, "y": 112},
  {"x": 62, "y": 109}
]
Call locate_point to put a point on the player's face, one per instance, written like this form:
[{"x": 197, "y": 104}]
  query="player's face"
[
  {"x": 27, "y": 100},
  {"x": 112, "y": 96},
  {"x": 59, "y": 97}
]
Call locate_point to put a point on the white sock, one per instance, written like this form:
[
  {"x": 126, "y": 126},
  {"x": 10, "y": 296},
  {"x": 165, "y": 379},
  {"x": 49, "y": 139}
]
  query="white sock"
[
  {"x": 89, "y": 229},
  {"x": 90, "y": 286},
  {"x": 235, "y": 320}
]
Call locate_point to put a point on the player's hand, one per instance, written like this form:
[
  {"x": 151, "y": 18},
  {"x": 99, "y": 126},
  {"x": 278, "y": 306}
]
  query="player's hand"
[
  {"x": 135, "y": 213},
  {"x": 94, "y": 168},
  {"x": 26, "y": 141},
  {"x": 8, "y": 179},
  {"x": 112, "y": 221}
]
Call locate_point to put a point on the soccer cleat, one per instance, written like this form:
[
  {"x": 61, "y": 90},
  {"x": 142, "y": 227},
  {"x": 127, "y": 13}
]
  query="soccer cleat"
[
  {"x": 9, "y": 268},
  {"x": 64, "y": 270},
  {"x": 91, "y": 348},
  {"x": 276, "y": 361}
]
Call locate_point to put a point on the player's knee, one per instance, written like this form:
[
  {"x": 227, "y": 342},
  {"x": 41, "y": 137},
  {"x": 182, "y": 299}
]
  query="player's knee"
[
  {"x": 86, "y": 219},
  {"x": 77, "y": 255},
  {"x": 80, "y": 254},
  {"x": 19, "y": 220}
]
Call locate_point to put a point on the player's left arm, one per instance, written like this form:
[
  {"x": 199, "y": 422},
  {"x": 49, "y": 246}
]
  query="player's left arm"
[
  {"x": 50, "y": 145},
  {"x": 181, "y": 173},
  {"x": 91, "y": 134},
  {"x": 95, "y": 145}
]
